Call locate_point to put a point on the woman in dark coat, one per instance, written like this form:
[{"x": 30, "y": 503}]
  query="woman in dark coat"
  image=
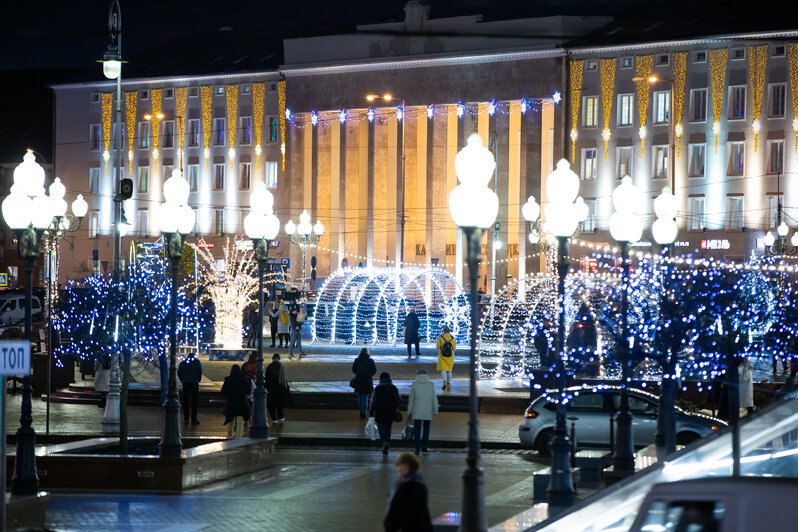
[
  {"x": 411, "y": 331},
  {"x": 364, "y": 369},
  {"x": 408, "y": 510},
  {"x": 384, "y": 405},
  {"x": 236, "y": 410}
]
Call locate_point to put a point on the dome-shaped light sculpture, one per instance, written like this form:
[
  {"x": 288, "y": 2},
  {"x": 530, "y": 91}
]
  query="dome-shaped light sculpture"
[{"x": 664, "y": 229}]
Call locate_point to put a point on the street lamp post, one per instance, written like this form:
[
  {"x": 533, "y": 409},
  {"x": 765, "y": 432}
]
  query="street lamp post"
[
  {"x": 473, "y": 207},
  {"x": 262, "y": 226},
  {"x": 626, "y": 228},
  {"x": 563, "y": 213},
  {"x": 304, "y": 235},
  {"x": 176, "y": 219},
  {"x": 777, "y": 245}
]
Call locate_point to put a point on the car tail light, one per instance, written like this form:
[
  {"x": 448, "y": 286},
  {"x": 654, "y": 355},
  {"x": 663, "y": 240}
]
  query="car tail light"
[{"x": 530, "y": 413}]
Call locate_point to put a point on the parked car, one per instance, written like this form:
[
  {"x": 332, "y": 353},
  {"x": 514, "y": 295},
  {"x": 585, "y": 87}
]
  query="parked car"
[
  {"x": 12, "y": 309},
  {"x": 591, "y": 409}
]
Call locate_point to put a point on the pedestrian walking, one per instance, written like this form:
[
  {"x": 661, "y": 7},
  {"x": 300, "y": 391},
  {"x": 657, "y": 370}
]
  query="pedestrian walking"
[
  {"x": 250, "y": 366},
  {"x": 384, "y": 409},
  {"x": 422, "y": 406},
  {"x": 236, "y": 409},
  {"x": 411, "y": 332},
  {"x": 364, "y": 369},
  {"x": 190, "y": 374},
  {"x": 102, "y": 378},
  {"x": 446, "y": 345},
  {"x": 541, "y": 342},
  {"x": 408, "y": 510},
  {"x": 284, "y": 324},
  {"x": 746, "y": 384},
  {"x": 274, "y": 377},
  {"x": 297, "y": 319},
  {"x": 274, "y": 320}
]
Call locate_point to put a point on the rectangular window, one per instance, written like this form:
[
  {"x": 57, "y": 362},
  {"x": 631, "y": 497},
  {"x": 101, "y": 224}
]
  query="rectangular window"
[
  {"x": 776, "y": 98},
  {"x": 95, "y": 137},
  {"x": 193, "y": 177},
  {"x": 94, "y": 224},
  {"x": 274, "y": 129},
  {"x": 660, "y": 161},
  {"x": 271, "y": 174},
  {"x": 193, "y": 132},
  {"x": 663, "y": 60},
  {"x": 144, "y": 135},
  {"x": 736, "y": 158},
  {"x": 698, "y": 105},
  {"x": 590, "y": 222},
  {"x": 167, "y": 172},
  {"x": 144, "y": 179},
  {"x": 193, "y": 92},
  {"x": 589, "y": 164},
  {"x": 246, "y": 130},
  {"x": 774, "y": 201},
  {"x": 627, "y": 62},
  {"x": 218, "y": 177},
  {"x": 169, "y": 134},
  {"x": 778, "y": 50},
  {"x": 662, "y": 106},
  {"x": 144, "y": 95},
  {"x": 168, "y": 94},
  {"x": 591, "y": 64},
  {"x": 775, "y": 156},
  {"x": 624, "y": 162},
  {"x": 589, "y": 111},
  {"x": 696, "y": 155},
  {"x": 737, "y": 54},
  {"x": 246, "y": 175},
  {"x": 734, "y": 212},
  {"x": 218, "y": 90},
  {"x": 94, "y": 180},
  {"x": 245, "y": 88},
  {"x": 142, "y": 222},
  {"x": 218, "y": 131},
  {"x": 700, "y": 57},
  {"x": 695, "y": 208},
  {"x": 625, "y": 109},
  {"x": 737, "y": 102},
  {"x": 218, "y": 221}
]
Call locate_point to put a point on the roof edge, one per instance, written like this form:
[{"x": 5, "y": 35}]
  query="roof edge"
[{"x": 164, "y": 80}]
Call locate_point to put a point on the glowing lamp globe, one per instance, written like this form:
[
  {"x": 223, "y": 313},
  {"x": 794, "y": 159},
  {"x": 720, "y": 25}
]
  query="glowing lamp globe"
[
  {"x": 794, "y": 239},
  {"x": 561, "y": 220},
  {"x": 664, "y": 231},
  {"x": 580, "y": 209},
  {"x": 41, "y": 212},
  {"x": 474, "y": 164},
  {"x": 769, "y": 239},
  {"x": 271, "y": 226},
  {"x": 318, "y": 228},
  {"x": 531, "y": 210},
  {"x": 80, "y": 207},
  {"x": 112, "y": 68},
  {"x": 58, "y": 208},
  {"x": 625, "y": 227},
  {"x": 17, "y": 209},
  {"x": 304, "y": 227},
  {"x": 534, "y": 238},
  {"x": 261, "y": 200},
  {"x": 472, "y": 203},
  {"x": 186, "y": 217},
  {"x": 562, "y": 185},
  {"x": 290, "y": 227},
  {"x": 29, "y": 176},
  {"x": 176, "y": 189},
  {"x": 169, "y": 217},
  {"x": 57, "y": 189},
  {"x": 254, "y": 226},
  {"x": 626, "y": 196},
  {"x": 783, "y": 229},
  {"x": 665, "y": 204}
]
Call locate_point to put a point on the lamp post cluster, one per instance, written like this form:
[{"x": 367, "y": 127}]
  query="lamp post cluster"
[
  {"x": 31, "y": 213},
  {"x": 304, "y": 234}
]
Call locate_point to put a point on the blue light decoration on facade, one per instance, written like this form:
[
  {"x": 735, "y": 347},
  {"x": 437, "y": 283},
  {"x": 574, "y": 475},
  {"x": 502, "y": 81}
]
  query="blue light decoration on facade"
[
  {"x": 342, "y": 116},
  {"x": 524, "y": 106},
  {"x": 399, "y": 113},
  {"x": 314, "y": 117},
  {"x": 430, "y": 111},
  {"x": 492, "y": 107},
  {"x": 288, "y": 113},
  {"x": 460, "y": 109},
  {"x": 557, "y": 97},
  {"x": 370, "y": 114}
]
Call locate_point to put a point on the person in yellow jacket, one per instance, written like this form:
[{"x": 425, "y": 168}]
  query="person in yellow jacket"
[{"x": 446, "y": 345}]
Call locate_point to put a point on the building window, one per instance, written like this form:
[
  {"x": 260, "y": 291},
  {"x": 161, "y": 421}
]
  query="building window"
[
  {"x": 663, "y": 60},
  {"x": 193, "y": 177},
  {"x": 274, "y": 129},
  {"x": 695, "y": 208},
  {"x": 734, "y": 212},
  {"x": 95, "y": 137},
  {"x": 169, "y": 134},
  {"x": 218, "y": 176},
  {"x": 778, "y": 50},
  {"x": 271, "y": 174},
  {"x": 245, "y": 88},
  {"x": 737, "y": 54},
  {"x": 168, "y": 93},
  {"x": 244, "y": 170},
  {"x": 143, "y": 222},
  {"x": 737, "y": 102},
  {"x": 590, "y": 222},
  {"x": 272, "y": 87},
  {"x": 625, "y": 109},
  {"x": 144, "y": 179},
  {"x": 193, "y": 132},
  {"x": 193, "y": 92},
  {"x": 736, "y": 158},
  {"x": 218, "y": 90},
  {"x": 589, "y": 164},
  {"x": 660, "y": 161},
  {"x": 218, "y": 131},
  {"x": 591, "y": 64},
  {"x": 696, "y": 155},
  {"x": 218, "y": 221},
  {"x": 627, "y": 62},
  {"x": 589, "y": 111},
  {"x": 624, "y": 162},
  {"x": 94, "y": 224},
  {"x": 775, "y": 156},
  {"x": 94, "y": 180},
  {"x": 700, "y": 57},
  {"x": 167, "y": 172},
  {"x": 144, "y": 95},
  {"x": 144, "y": 135},
  {"x": 246, "y": 130},
  {"x": 774, "y": 202},
  {"x": 698, "y": 105},
  {"x": 776, "y": 97},
  {"x": 662, "y": 106},
  {"x": 95, "y": 97}
]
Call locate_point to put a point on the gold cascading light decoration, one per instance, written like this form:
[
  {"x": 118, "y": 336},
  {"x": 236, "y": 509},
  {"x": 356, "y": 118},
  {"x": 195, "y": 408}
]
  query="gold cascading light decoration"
[
  {"x": 281, "y": 101},
  {"x": 131, "y": 98},
  {"x": 717, "y": 77},
  {"x": 607, "y": 72},
  {"x": 793, "y": 60},
  {"x": 643, "y": 66},
  {"x": 180, "y": 108},
  {"x": 231, "y": 93},
  {"x": 156, "y": 96},
  {"x": 258, "y": 95},
  {"x": 757, "y": 71},
  {"x": 577, "y": 68},
  {"x": 107, "y": 99},
  {"x": 206, "y": 98},
  {"x": 679, "y": 82}
]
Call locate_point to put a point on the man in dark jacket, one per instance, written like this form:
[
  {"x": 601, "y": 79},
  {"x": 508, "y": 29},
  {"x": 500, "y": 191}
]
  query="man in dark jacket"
[
  {"x": 411, "y": 332},
  {"x": 364, "y": 369},
  {"x": 384, "y": 406},
  {"x": 190, "y": 374},
  {"x": 274, "y": 378},
  {"x": 408, "y": 510}
]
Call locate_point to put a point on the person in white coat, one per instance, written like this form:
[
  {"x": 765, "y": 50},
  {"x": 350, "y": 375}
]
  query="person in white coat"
[
  {"x": 746, "y": 369},
  {"x": 422, "y": 406}
]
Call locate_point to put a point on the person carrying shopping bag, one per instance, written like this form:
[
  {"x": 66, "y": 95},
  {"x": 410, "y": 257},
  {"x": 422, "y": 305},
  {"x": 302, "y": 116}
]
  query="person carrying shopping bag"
[{"x": 384, "y": 409}]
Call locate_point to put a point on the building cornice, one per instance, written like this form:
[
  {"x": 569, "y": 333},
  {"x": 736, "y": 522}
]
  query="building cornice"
[
  {"x": 172, "y": 80},
  {"x": 407, "y": 62}
]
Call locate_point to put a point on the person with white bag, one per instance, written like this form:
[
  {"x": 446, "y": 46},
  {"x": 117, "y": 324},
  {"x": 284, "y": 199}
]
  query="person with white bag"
[
  {"x": 422, "y": 406},
  {"x": 384, "y": 408}
]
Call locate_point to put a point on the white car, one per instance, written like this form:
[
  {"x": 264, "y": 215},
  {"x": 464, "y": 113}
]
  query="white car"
[
  {"x": 12, "y": 309},
  {"x": 592, "y": 408}
]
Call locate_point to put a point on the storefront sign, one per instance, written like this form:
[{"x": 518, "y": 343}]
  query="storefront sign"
[{"x": 715, "y": 244}]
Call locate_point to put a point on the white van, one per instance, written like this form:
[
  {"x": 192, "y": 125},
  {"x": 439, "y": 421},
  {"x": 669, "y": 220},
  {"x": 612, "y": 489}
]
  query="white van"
[{"x": 12, "y": 309}]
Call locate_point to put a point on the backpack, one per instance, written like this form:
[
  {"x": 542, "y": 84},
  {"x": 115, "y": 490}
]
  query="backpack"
[{"x": 446, "y": 348}]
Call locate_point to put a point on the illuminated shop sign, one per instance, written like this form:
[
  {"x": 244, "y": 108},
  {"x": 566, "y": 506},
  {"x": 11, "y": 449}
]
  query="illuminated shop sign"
[{"x": 715, "y": 244}]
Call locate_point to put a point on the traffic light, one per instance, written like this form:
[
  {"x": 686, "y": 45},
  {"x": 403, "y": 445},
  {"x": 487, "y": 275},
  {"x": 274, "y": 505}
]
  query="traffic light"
[{"x": 125, "y": 189}]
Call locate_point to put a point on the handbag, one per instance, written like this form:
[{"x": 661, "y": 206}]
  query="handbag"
[
  {"x": 397, "y": 415},
  {"x": 404, "y": 329},
  {"x": 353, "y": 383},
  {"x": 407, "y": 432},
  {"x": 371, "y": 429}
]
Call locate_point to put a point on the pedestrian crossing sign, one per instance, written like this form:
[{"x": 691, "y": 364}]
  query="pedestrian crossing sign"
[{"x": 3, "y": 279}]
